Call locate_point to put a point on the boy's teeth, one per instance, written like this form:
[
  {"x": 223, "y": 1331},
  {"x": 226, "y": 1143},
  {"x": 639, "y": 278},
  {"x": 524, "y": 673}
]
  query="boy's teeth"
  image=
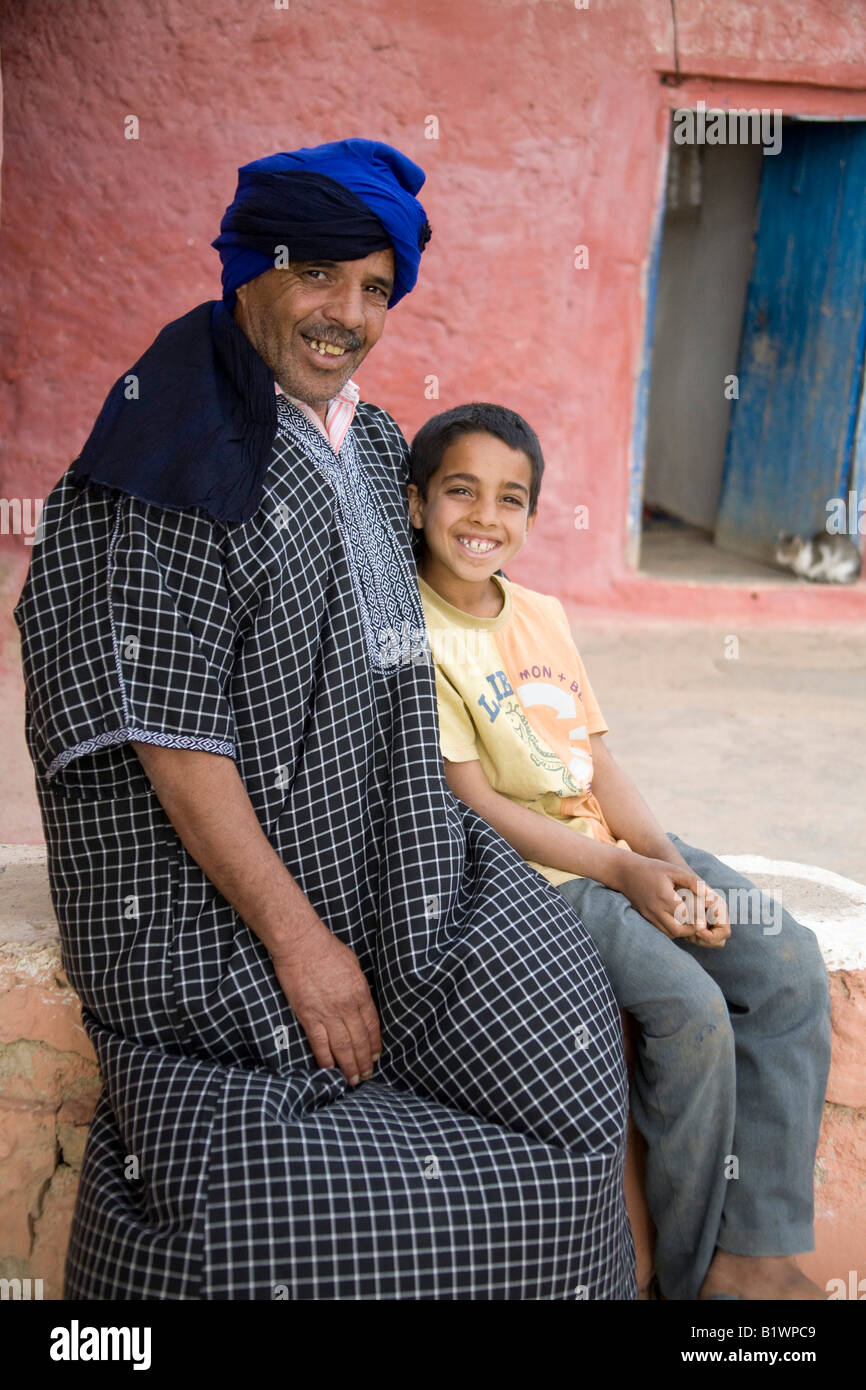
[{"x": 480, "y": 546}]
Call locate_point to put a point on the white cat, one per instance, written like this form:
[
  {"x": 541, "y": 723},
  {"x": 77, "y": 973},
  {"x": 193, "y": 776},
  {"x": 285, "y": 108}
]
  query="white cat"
[{"x": 823, "y": 559}]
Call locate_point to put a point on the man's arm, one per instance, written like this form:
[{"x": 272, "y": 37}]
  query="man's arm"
[{"x": 205, "y": 800}]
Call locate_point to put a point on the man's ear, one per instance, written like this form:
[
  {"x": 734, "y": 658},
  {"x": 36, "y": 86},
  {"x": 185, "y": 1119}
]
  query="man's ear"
[{"x": 416, "y": 506}]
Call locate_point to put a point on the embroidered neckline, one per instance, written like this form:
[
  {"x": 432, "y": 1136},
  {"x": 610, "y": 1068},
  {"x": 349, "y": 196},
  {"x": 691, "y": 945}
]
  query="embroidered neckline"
[{"x": 385, "y": 587}]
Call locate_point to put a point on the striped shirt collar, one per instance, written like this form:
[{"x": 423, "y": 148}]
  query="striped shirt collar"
[{"x": 338, "y": 416}]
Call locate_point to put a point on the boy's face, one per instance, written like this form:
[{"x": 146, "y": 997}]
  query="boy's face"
[{"x": 476, "y": 515}]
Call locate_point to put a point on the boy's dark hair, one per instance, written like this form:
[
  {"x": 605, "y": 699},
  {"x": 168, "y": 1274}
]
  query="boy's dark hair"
[{"x": 479, "y": 417}]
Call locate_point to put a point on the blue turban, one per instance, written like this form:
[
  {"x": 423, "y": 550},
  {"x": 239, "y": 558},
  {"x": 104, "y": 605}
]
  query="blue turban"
[{"x": 335, "y": 202}]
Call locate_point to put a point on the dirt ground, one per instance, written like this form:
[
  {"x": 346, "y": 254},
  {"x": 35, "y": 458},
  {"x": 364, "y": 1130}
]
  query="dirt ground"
[
  {"x": 762, "y": 751},
  {"x": 749, "y": 741}
]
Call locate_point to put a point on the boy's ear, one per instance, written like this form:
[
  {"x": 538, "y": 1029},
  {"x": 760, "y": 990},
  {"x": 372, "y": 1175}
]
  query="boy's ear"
[
  {"x": 416, "y": 506},
  {"x": 530, "y": 520}
]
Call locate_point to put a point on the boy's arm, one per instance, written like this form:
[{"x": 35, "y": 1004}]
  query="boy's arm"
[
  {"x": 534, "y": 836},
  {"x": 649, "y": 883}
]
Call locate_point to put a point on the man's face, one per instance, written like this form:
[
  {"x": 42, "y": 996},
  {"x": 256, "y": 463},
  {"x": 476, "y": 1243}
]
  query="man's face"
[{"x": 339, "y": 303}]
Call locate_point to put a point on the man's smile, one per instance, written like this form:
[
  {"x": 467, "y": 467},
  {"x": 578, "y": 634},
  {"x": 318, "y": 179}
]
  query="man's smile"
[
  {"x": 321, "y": 347},
  {"x": 328, "y": 355}
]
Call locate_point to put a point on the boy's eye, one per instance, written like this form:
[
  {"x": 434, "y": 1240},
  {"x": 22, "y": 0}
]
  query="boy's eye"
[{"x": 457, "y": 491}]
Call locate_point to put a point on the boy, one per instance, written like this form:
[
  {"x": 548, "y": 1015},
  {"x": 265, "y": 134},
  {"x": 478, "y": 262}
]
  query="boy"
[{"x": 734, "y": 1017}]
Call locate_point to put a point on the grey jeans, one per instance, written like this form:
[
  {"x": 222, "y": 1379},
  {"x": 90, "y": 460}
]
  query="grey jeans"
[{"x": 730, "y": 1074}]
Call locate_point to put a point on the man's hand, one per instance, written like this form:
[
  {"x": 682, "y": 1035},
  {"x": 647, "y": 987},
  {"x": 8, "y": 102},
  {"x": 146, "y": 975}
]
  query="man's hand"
[
  {"x": 674, "y": 900},
  {"x": 329, "y": 995}
]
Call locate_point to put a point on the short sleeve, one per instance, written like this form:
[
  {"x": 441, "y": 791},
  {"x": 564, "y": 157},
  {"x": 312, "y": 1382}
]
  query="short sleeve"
[
  {"x": 127, "y": 631},
  {"x": 456, "y": 730}
]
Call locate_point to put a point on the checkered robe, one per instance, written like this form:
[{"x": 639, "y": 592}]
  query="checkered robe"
[{"x": 484, "y": 1161}]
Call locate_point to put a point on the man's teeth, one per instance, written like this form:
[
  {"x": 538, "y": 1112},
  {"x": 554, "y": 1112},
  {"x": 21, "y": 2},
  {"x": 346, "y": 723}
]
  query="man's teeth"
[
  {"x": 322, "y": 348},
  {"x": 480, "y": 547}
]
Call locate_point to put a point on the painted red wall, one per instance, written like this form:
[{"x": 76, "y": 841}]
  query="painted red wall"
[{"x": 550, "y": 135}]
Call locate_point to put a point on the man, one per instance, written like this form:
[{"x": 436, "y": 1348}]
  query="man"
[{"x": 263, "y": 883}]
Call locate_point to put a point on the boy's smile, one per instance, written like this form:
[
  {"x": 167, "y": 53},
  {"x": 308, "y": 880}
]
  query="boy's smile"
[{"x": 475, "y": 519}]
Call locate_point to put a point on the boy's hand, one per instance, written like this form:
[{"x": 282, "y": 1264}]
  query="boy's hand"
[
  {"x": 674, "y": 900},
  {"x": 706, "y": 911}
]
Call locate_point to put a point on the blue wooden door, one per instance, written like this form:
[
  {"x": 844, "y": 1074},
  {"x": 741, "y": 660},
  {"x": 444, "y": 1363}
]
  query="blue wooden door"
[{"x": 791, "y": 442}]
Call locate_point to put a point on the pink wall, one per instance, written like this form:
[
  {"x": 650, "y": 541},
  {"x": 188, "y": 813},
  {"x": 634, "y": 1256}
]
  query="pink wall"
[{"x": 550, "y": 134}]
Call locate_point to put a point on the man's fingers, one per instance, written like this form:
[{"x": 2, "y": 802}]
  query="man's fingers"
[
  {"x": 361, "y": 1044},
  {"x": 317, "y": 1037},
  {"x": 343, "y": 1048},
  {"x": 370, "y": 1020},
  {"x": 346, "y": 1043}
]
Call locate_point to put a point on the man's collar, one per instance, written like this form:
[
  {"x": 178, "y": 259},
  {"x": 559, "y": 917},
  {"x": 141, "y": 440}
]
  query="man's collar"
[{"x": 338, "y": 414}]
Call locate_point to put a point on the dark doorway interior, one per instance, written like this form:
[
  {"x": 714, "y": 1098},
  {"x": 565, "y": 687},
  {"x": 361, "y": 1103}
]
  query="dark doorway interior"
[{"x": 758, "y": 347}]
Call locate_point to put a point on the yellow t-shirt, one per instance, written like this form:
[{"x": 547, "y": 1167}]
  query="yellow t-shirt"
[{"x": 512, "y": 692}]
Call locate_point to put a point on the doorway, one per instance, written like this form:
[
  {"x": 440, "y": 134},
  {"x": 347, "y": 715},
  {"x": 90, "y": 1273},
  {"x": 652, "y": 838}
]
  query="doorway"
[{"x": 755, "y": 418}]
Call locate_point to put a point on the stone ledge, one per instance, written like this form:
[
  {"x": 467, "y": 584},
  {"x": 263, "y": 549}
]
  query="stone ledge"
[
  {"x": 49, "y": 1079},
  {"x": 834, "y": 908}
]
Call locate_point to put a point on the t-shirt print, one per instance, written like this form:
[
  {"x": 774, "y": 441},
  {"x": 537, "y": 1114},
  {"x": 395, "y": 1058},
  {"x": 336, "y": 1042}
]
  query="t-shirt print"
[{"x": 545, "y": 709}]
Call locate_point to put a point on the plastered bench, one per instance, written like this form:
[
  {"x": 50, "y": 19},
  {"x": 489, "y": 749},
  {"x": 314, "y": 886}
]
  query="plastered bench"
[{"x": 49, "y": 1081}]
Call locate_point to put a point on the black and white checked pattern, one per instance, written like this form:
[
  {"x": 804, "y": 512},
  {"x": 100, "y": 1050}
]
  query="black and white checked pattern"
[
  {"x": 385, "y": 585},
  {"x": 485, "y": 1160}
]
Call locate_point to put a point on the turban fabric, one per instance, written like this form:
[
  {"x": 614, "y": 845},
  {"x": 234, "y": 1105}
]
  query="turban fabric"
[
  {"x": 336, "y": 202},
  {"x": 192, "y": 422}
]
